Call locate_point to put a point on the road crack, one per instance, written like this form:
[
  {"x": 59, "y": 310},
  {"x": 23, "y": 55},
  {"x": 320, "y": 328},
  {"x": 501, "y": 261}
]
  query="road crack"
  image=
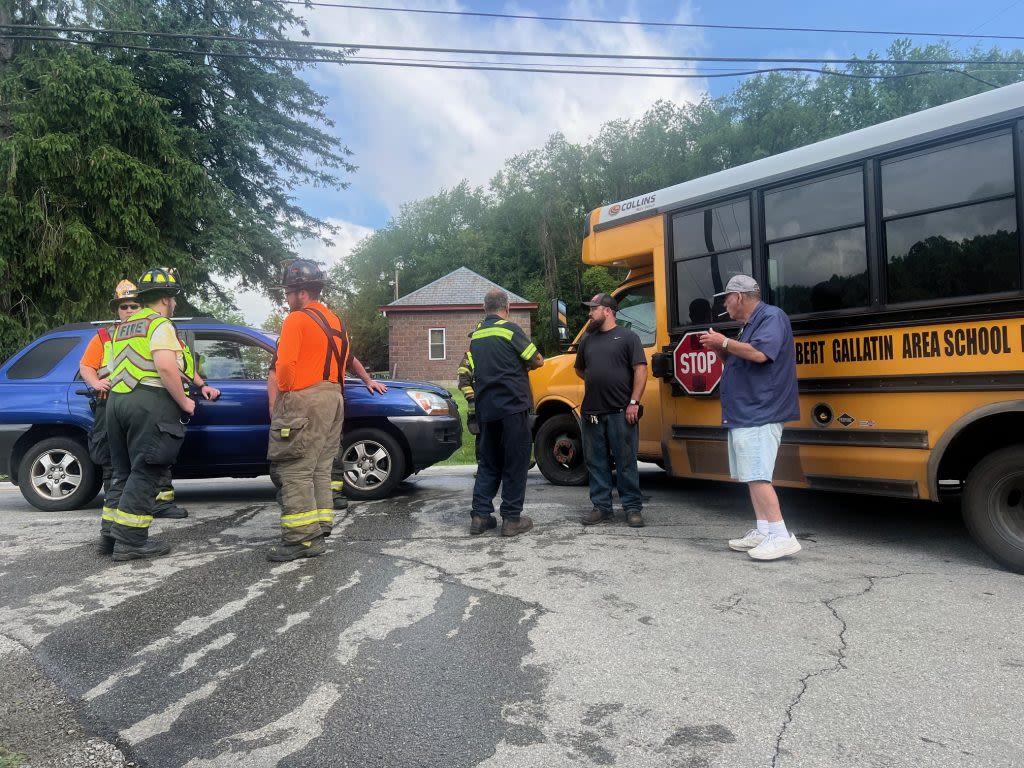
[{"x": 840, "y": 657}]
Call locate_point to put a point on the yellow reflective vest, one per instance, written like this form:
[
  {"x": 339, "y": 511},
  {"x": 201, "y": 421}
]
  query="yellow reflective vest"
[{"x": 131, "y": 356}]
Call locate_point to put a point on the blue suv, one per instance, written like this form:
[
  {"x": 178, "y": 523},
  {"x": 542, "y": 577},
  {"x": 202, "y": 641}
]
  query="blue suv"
[{"x": 45, "y": 418}]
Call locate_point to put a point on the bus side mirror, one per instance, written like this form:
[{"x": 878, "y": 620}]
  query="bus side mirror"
[{"x": 559, "y": 323}]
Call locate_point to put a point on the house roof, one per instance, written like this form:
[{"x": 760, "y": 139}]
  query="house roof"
[{"x": 461, "y": 288}]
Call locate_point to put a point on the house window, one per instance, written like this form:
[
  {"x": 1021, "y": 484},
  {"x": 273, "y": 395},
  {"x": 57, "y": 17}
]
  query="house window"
[{"x": 436, "y": 337}]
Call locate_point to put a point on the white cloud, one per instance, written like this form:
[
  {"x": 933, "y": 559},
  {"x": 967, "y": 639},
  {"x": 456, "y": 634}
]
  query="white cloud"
[
  {"x": 415, "y": 131},
  {"x": 256, "y": 307}
]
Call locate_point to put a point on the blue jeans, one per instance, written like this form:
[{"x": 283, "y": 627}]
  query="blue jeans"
[{"x": 612, "y": 433}]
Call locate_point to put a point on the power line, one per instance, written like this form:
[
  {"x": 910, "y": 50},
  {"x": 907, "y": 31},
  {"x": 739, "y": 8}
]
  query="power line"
[
  {"x": 260, "y": 41},
  {"x": 496, "y": 67},
  {"x": 669, "y": 24}
]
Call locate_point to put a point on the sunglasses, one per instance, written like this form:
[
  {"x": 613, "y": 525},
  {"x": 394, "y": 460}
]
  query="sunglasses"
[{"x": 129, "y": 306}]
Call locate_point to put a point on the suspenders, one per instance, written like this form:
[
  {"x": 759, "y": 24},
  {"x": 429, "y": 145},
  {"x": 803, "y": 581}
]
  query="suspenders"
[{"x": 333, "y": 350}]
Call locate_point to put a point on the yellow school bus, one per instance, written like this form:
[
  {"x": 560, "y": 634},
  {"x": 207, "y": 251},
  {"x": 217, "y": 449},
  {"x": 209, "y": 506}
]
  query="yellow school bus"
[{"x": 896, "y": 252}]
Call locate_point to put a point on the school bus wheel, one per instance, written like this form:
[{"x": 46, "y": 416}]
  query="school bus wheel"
[
  {"x": 993, "y": 506},
  {"x": 558, "y": 449}
]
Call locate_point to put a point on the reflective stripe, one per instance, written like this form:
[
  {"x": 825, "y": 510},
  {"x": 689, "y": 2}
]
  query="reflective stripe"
[
  {"x": 469, "y": 357},
  {"x": 130, "y": 520},
  {"x": 165, "y": 496},
  {"x": 299, "y": 519},
  {"x": 326, "y": 516},
  {"x": 108, "y": 513},
  {"x": 529, "y": 352},
  {"x": 337, "y": 485},
  {"x": 483, "y": 333}
]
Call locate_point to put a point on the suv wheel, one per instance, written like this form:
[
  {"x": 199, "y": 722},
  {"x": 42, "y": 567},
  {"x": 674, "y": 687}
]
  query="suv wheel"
[
  {"x": 57, "y": 475},
  {"x": 374, "y": 464}
]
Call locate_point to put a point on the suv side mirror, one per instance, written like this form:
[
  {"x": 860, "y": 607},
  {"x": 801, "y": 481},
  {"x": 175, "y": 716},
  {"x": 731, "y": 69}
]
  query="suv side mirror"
[{"x": 559, "y": 323}]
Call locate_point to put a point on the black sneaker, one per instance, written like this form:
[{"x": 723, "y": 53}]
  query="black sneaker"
[
  {"x": 149, "y": 549},
  {"x": 172, "y": 513},
  {"x": 514, "y": 527},
  {"x": 634, "y": 520},
  {"x": 283, "y": 553},
  {"x": 596, "y": 516},
  {"x": 482, "y": 524},
  {"x": 340, "y": 502}
]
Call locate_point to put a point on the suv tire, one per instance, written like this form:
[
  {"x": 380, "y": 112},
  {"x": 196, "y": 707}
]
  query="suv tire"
[
  {"x": 374, "y": 464},
  {"x": 57, "y": 475}
]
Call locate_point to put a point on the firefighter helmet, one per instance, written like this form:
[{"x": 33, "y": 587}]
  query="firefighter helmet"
[
  {"x": 159, "y": 282},
  {"x": 126, "y": 290},
  {"x": 302, "y": 273}
]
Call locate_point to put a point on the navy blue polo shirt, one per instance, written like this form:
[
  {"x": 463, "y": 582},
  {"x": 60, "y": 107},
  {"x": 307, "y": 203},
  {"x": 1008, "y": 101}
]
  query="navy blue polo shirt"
[
  {"x": 500, "y": 352},
  {"x": 755, "y": 394}
]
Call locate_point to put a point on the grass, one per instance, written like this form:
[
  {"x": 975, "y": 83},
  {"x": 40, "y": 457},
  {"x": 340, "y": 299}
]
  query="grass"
[
  {"x": 10, "y": 759},
  {"x": 465, "y": 454}
]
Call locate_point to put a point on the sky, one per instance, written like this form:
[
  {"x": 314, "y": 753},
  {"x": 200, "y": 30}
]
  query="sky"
[{"x": 414, "y": 132}]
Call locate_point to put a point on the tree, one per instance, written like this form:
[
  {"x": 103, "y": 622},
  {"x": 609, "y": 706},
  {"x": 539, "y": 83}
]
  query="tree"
[
  {"x": 98, "y": 184},
  {"x": 201, "y": 179}
]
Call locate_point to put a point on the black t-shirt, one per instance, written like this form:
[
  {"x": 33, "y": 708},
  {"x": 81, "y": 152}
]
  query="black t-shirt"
[
  {"x": 500, "y": 352},
  {"x": 606, "y": 359}
]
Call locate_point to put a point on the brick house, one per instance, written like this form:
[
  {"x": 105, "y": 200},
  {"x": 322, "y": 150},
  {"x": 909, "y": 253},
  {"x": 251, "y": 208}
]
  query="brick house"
[{"x": 428, "y": 329}]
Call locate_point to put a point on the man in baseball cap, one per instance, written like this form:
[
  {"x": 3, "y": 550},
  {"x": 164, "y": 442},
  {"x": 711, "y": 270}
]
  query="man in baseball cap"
[
  {"x": 740, "y": 284},
  {"x": 603, "y": 300},
  {"x": 758, "y": 395}
]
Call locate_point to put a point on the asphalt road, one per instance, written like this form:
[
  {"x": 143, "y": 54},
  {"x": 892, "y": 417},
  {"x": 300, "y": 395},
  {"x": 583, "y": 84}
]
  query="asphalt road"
[{"x": 890, "y": 640}]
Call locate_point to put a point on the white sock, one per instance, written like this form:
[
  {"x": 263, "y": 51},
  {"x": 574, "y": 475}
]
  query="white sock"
[
  {"x": 778, "y": 529},
  {"x": 762, "y": 527}
]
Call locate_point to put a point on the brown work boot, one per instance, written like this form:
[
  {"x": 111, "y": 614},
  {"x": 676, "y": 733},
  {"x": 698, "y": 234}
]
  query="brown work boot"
[
  {"x": 595, "y": 516},
  {"x": 482, "y": 524},
  {"x": 515, "y": 527},
  {"x": 283, "y": 553},
  {"x": 634, "y": 519}
]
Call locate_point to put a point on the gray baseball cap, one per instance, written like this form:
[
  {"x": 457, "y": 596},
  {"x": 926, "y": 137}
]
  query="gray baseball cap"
[{"x": 740, "y": 284}]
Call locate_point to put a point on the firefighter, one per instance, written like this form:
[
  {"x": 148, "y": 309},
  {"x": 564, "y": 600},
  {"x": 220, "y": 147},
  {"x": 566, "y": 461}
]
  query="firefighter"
[
  {"x": 146, "y": 411},
  {"x": 165, "y": 506},
  {"x": 307, "y": 409},
  {"x": 94, "y": 368}
]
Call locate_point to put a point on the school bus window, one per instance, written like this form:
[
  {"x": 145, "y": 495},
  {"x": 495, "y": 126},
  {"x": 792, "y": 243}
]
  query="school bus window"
[
  {"x": 817, "y": 248},
  {"x": 697, "y": 280},
  {"x": 722, "y": 228},
  {"x": 979, "y": 169},
  {"x": 964, "y": 248},
  {"x": 814, "y": 206},
  {"x": 636, "y": 311}
]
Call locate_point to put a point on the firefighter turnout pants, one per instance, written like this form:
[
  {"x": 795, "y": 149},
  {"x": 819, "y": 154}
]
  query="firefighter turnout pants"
[
  {"x": 145, "y": 433},
  {"x": 99, "y": 445},
  {"x": 304, "y": 436}
]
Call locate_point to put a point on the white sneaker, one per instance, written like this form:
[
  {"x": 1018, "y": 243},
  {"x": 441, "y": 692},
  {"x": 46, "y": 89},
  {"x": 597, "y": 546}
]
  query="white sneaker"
[
  {"x": 774, "y": 547},
  {"x": 749, "y": 540}
]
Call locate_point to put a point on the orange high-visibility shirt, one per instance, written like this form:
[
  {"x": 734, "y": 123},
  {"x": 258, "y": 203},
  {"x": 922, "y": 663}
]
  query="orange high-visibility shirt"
[
  {"x": 93, "y": 355},
  {"x": 302, "y": 349}
]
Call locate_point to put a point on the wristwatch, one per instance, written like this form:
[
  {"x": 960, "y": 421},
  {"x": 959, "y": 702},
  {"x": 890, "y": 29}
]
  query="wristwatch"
[
  {"x": 634, "y": 402},
  {"x": 725, "y": 343}
]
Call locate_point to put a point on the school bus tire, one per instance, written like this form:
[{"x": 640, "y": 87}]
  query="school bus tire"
[
  {"x": 993, "y": 506},
  {"x": 558, "y": 449}
]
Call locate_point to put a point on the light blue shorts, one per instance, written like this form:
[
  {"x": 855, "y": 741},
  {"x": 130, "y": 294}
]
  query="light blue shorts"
[{"x": 752, "y": 452}]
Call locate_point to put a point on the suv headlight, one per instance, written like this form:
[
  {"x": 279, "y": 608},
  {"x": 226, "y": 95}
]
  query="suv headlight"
[{"x": 431, "y": 403}]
